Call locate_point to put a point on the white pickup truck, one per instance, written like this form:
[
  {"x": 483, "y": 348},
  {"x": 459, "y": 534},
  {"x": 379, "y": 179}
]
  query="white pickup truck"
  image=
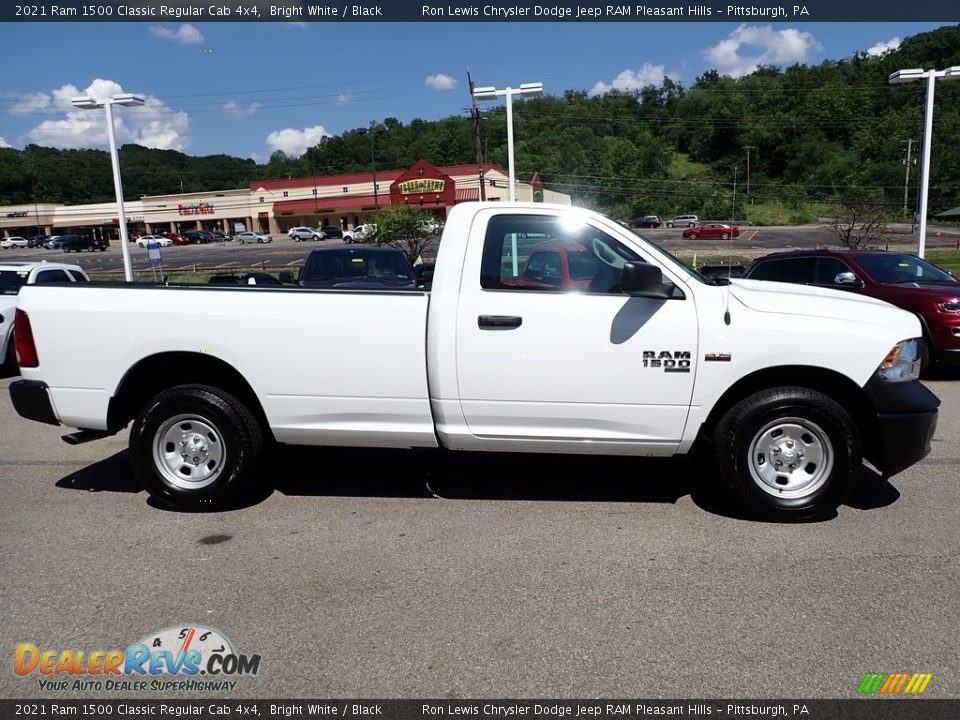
[{"x": 610, "y": 346}]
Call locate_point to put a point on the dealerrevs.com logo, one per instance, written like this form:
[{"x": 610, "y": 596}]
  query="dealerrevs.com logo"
[
  {"x": 894, "y": 683},
  {"x": 185, "y": 657}
]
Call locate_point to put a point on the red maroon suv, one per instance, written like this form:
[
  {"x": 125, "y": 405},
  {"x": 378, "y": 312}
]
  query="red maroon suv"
[{"x": 902, "y": 280}]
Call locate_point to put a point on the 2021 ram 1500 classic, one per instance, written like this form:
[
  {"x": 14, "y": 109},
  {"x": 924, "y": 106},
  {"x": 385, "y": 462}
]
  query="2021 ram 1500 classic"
[{"x": 790, "y": 387}]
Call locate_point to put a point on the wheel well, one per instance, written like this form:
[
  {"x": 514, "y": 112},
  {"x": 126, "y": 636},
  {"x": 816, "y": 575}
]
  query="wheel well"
[
  {"x": 838, "y": 387},
  {"x": 166, "y": 370}
]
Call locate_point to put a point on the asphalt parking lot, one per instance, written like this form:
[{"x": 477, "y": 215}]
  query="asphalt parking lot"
[{"x": 387, "y": 574}]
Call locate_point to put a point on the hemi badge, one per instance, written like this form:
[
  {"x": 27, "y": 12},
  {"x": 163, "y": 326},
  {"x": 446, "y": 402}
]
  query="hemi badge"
[{"x": 717, "y": 357}]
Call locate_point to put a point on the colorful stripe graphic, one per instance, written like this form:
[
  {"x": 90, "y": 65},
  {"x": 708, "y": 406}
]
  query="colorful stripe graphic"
[{"x": 894, "y": 683}]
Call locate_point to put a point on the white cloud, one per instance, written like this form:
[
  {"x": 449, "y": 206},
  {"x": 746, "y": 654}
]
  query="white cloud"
[
  {"x": 344, "y": 98},
  {"x": 4, "y": 143},
  {"x": 633, "y": 79},
  {"x": 440, "y": 82},
  {"x": 750, "y": 46},
  {"x": 296, "y": 23},
  {"x": 295, "y": 142},
  {"x": 185, "y": 34},
  {"x": 30, "y": 103},
  {"x": 238, "y": 110},
  {"x": 154, "y": 125},
  {"x": 882, "y": 48}
]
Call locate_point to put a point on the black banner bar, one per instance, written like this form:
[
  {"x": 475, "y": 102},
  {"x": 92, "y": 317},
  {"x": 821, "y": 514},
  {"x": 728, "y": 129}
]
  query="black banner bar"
[
  {"x": 325, "y": 11},
  {"x": 875, "y": 708}
]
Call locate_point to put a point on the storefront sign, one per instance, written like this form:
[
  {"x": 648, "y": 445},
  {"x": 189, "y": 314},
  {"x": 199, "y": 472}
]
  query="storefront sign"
[
  {"x": 196, "y": 209},
  {"x": 422, "y": 185},
  {"x": 18, "y": 213}
]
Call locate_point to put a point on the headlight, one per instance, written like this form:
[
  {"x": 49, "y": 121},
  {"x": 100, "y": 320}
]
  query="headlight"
[
  {"x": 902, "y": 363},
  {"x": 949, "y": 306}
]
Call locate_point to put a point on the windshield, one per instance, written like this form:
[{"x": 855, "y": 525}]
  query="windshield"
[
  {"x": 894, "y": 269},
  {"x": 11, "y": 281},
  {"x": 357, "y": 265}
]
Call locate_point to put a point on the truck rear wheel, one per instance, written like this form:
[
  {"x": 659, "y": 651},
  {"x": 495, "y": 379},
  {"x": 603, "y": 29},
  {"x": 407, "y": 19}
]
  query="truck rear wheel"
[
  {"x": 195, "y": 447},
  {"x": 788, "y": 453}
]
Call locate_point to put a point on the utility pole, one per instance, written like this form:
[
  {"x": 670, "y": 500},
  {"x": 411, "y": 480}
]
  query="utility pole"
[
  {"x": 733, "y": 209},
  {"x": 906, "y": 179},
  {"x": 475, "y": 114},
  {"x": 748, "y": 148}
]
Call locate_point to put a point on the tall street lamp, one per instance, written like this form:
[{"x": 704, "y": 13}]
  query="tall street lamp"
[
  {"x": 491, "y": 93},
  {"x": 127, "y": 100},
  {"x": 372, "y": 131},
  {"x": 912, "y": 75}
]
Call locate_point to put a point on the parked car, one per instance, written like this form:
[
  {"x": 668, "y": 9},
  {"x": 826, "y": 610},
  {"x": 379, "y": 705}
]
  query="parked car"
[
  {"x": 178, "y": 239},
  {"x": 14, "y": 242},
  {"x": 722, "y": 270},
  {"x": 556, "y": 267},
  {"x": 330, "y": 231},
  {"x": 37, "y": 240},
  {"x": 298, "y": 234},
  {"x": 712, "y": 230},
  {"x": 908, "y": 282},
  {"x": 683, "y": 221},
  {"x": 53, "y": 242},
  {"x": 78, "y": 243},
  {"x": 252, "y": 237},
  {"x": 13, "y": 276},
  {"x": 647, "y": 221},
  {"x": 359, "y": 268},
  {"x": 360, "y": 233},
  {"x": 145, "y": 240},
  {"x": 199, "y": 237},
  {"x": 254, "y": 278}
]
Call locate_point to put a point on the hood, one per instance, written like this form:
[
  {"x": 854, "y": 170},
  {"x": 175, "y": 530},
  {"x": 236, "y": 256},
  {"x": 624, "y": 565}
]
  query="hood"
[
  {"x": 932, "y": 289},
  {"x": 811, "y": 301}
]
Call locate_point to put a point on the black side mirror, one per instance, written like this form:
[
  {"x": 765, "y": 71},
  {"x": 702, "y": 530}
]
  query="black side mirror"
[
  {"x": 642, "y": 279},
  {"x": 286, "y": 277}
]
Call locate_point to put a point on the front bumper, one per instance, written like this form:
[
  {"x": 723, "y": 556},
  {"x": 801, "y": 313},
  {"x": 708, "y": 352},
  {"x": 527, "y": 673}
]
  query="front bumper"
[
  {"x": 31, "y": 400},
  {"x": 906, "y": 420}
]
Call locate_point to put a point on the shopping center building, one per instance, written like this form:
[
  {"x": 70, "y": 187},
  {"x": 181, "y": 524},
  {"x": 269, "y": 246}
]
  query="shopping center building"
[{"x": 274, "y": 206}]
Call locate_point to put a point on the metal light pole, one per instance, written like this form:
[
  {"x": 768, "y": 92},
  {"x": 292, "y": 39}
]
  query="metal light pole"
[
  {"x": 491, "y": 93},
  {"x": 906, "y": 179},
  {"x": 931, "y": 76},
  {"x": 127, "y": 100}
]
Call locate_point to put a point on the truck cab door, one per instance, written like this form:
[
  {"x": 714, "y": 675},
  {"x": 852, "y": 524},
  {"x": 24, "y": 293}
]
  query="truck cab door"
[{"x": 577, "y": 367}]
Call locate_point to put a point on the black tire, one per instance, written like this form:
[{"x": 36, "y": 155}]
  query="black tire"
[
  {"x": 690, "y": 224},
  {"x": 8, "y": 365},
  {"x": 820, "y": 473},
  {"x": 926, "y": 357},
  {"x": 669, "y": 225},
  {"x": 724, "y": 236},
  {"x": 693, "y": 236},
  {"x": 214, "y": 425}
]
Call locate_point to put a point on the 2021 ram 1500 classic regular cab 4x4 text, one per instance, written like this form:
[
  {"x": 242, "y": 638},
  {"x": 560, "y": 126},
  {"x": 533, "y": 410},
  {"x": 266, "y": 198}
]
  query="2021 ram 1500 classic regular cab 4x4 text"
[{"x": 647, "y": 359}]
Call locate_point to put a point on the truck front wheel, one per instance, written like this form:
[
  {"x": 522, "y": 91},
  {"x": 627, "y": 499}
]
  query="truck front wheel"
[
  {"x": 788, "y": 453},
  {"x": 195, "y": 447}
]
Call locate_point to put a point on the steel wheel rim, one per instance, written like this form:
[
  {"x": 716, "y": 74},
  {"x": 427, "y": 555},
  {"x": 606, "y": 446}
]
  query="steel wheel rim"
[
  {"x": 791, "y": 458},
  {"x": 188, "y": 451}
]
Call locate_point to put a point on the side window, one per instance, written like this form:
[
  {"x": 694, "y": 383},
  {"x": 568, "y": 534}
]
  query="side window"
[
  {"x": 79, "y": 277},
  {"x": 542, "y": 252},
  {"x": 800, "y": 270},
  {"x": 49, "y": 276},
  {"x": 766, "y": 271},
  {"x": 828, "y": 269}
]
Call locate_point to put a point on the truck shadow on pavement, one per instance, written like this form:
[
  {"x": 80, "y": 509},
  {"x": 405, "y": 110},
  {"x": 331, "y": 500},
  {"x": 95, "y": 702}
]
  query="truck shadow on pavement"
[{"x": 356, "y": 472}]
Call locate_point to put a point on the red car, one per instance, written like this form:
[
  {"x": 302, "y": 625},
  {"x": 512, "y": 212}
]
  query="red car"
[
  {"x": 712, "y": 230},
  {"x": 178, "y": 239},
  {"x": 556, "y": 267},
  {"x": 908, "y": 282}
]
